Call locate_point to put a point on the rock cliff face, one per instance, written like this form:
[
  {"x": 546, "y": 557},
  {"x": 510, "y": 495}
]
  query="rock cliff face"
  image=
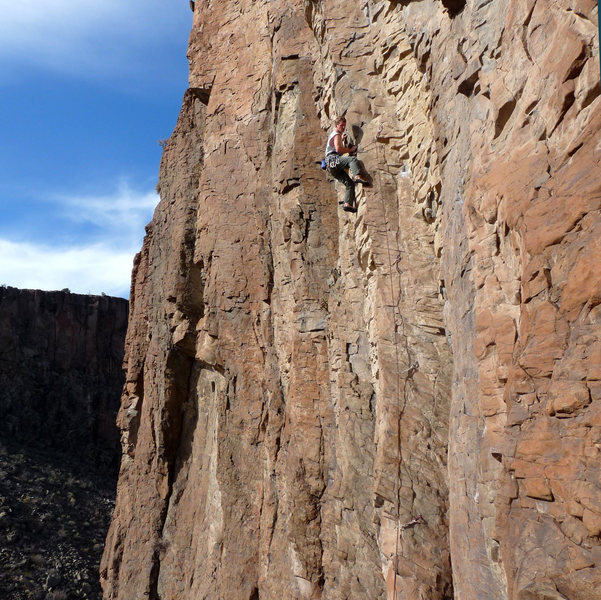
[
  {"x": 402, "y": 403},
  {"x": 61, "y": 374}
]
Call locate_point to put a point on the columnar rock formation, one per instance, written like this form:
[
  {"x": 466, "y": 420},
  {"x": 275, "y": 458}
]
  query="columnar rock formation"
[
  {"x": 402, "y": 403},
  {"x": 61, "y": 374}
]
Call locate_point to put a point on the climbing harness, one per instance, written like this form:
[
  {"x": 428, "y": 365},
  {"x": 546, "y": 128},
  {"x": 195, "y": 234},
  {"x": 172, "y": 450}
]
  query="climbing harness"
[
  {"x": 332, "y": 161},
  {"x": 332, "y": 158}
]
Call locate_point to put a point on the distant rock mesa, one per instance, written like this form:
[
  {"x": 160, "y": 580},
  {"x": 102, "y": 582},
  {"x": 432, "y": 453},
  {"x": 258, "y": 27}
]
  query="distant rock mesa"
[
  {"x": 61, "y": 358},
  {"x": 399, "y": 404}
]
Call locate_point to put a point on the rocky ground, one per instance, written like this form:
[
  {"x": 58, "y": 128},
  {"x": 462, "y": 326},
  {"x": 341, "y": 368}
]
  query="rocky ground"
[{"x": 54, "y": 515}]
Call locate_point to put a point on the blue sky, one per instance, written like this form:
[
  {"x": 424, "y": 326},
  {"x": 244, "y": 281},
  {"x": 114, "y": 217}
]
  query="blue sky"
[{"x": 87, "y": 89}]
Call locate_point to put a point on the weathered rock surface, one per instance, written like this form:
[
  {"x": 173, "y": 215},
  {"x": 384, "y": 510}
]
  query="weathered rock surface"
[
  {"x": 61, "y": 374},
  {"x": 316, "y": 401}
]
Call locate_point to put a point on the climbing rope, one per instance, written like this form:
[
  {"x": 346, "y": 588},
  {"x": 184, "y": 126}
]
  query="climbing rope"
[
  {"x": 414, "y": 366},
  {"x": 417, "y": 521}
]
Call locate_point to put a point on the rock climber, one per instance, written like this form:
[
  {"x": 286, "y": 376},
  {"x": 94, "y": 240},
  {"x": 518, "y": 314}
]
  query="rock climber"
[{"x": 338, "y": 158}]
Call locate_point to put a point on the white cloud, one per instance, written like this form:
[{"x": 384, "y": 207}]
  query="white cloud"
[
  {"x": 91, "y": 269},
  {"x": 114, "y": 38},
  {"x": 100, "y": 260},
  {"x": 117, "y": 216}
]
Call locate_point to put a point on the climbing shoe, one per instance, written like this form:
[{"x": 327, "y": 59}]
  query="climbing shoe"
[
  {"x": 349, "y": 207},
  {"x": 360, "y": 179}
]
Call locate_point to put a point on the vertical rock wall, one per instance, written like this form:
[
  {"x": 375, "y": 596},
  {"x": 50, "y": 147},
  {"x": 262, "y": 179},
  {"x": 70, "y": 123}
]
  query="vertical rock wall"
[
  {"x": 517, "y": 119},
  {"x": 297, "y": 376}
]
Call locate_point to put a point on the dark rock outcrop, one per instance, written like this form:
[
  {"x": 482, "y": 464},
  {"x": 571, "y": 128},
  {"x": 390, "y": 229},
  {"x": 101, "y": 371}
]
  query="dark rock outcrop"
[
  {"x": 61, "y": 378},
  {"x": 61, "y": 372}
]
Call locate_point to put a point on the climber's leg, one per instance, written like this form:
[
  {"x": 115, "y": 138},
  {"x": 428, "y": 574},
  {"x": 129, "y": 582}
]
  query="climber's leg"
[
  {"x": 351, "y": 162},
  {"x": 340, "y": 174}
]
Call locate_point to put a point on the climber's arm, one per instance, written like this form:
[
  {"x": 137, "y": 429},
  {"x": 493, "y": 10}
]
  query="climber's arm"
[{"x": 340, "y": 148}]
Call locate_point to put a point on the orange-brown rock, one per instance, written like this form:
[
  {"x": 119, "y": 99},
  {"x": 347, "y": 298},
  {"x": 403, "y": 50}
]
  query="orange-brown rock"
[{"x": 402, "y": 403}]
